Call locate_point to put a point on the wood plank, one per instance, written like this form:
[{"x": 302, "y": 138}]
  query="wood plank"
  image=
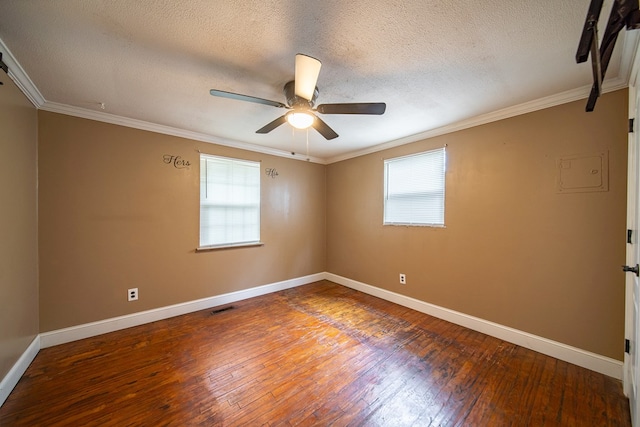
[{"x": 319, "y": 354}]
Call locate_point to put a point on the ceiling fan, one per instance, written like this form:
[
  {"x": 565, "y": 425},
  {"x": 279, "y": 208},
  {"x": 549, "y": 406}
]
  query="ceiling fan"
[{"x": 301, "y": 94}]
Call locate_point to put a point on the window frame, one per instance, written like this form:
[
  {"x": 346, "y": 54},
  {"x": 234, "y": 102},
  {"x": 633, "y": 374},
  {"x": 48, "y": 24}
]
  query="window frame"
[
  {"x": 229, "y": 243},
  {"x": 440, "y": 191}
]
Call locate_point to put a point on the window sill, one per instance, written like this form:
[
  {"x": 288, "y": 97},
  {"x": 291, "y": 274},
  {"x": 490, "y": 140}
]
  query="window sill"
[
  {"x": 221, "y": 247},
  {"x": 403, "y": 224}
]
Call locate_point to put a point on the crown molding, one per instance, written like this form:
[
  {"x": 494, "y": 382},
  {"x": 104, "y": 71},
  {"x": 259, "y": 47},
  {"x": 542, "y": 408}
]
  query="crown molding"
[
  {"x": 26, "y": 85},
  {"x": 634, "y": 60},
  {"x": 100, "y": 116},
  {"x": 20, "y": 77},
  {"x": 494, "y": 116},
  {"x": 527, "y": 107},
  {"x": 629, "y": 55},
  {"x": 629, "y": 68}
]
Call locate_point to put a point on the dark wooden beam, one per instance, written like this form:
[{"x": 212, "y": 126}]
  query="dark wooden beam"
[
  {"x": 624, "y": 13},
  {"x": 3, "y": 65}
]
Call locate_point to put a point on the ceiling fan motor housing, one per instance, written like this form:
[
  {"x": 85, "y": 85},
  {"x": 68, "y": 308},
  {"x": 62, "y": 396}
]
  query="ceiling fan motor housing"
[{"x": 296, "y": 101}]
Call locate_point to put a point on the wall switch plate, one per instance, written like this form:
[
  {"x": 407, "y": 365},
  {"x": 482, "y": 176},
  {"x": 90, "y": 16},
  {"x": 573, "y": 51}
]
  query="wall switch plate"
[
  {"x": 403, "y": 279},
  {"x": 132, "y": 294}
]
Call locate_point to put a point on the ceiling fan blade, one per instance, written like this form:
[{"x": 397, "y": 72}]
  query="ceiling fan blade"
[
  {"x": 324, "y": 129},
  {"x": 272, "y": 125},
  {"x": 375, "y": 108},
  {"x": 307, "y": 71},
  {"x": 248, "y": 98}
]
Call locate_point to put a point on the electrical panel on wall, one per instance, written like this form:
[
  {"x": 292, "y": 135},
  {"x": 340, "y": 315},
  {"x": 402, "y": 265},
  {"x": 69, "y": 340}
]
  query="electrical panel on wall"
[{"x": 583, "y": 173}]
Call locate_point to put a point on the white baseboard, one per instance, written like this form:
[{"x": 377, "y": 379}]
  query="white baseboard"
[
  {"x": 15, "y": 373},
  {"x": 87, "y": 330},
  {"x": 592, "y": 361}
]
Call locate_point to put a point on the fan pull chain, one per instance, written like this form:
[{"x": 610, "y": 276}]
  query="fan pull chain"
[
  {"x": 307, "y": 144},
  {"x": 293, "y": 138}
]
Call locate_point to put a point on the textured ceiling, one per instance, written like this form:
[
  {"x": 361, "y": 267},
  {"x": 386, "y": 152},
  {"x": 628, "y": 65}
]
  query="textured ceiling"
[{"x": 436, "y": 63}]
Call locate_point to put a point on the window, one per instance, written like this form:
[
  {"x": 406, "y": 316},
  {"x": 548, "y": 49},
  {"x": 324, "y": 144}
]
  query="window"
[
  {"x": 229, "y": 201},
  {"x": 414, "y": 189}
]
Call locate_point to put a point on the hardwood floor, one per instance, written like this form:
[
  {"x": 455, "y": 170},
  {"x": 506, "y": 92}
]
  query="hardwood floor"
[{"x": 319, "y": 354}]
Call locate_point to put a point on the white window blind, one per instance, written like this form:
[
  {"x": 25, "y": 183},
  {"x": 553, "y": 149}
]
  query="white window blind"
[
  {"x": 414, "y": 189},
  {"x": 229, "y": 201}
]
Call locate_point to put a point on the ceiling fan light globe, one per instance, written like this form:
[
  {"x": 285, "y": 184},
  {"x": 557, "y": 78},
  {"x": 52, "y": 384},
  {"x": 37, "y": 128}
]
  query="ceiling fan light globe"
[{"x": 300, "y": 120}]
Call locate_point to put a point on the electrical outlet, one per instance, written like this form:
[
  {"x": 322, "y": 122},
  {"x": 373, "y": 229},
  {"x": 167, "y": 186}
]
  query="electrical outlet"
[
  {"x": 132, "y": 294},
  {"x": 403, "y": 279}
]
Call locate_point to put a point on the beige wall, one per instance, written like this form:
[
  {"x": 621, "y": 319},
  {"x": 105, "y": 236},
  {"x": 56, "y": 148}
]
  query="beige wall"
[
  {"x": 18, "y": 224},
  {"x": 514, "y": 251},
  {"x": 114, "y": 216}
]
